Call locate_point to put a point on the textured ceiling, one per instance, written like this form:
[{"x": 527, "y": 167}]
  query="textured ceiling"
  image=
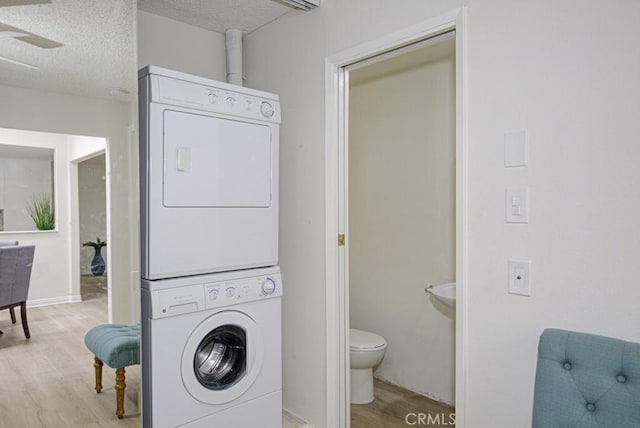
[
  {"x": 218, "y": 15},
  {"x": 98, "y": 39},
  {"x": 98, "y": 51}
]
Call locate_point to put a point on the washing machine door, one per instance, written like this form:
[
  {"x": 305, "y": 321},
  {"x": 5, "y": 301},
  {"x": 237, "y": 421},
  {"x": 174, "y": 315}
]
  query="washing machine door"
[{"x": 222, "y": 357}]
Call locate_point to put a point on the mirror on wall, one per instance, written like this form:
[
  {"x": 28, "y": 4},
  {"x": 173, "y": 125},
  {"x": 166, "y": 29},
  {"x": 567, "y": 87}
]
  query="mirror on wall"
[{"x": 26, "y": 188}]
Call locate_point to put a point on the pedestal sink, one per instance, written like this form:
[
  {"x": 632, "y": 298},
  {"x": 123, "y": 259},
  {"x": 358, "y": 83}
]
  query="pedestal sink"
[{"x": 444, "y": 293}]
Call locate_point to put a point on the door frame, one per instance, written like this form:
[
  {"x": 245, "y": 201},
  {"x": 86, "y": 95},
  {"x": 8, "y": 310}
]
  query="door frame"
[{"x": 336, "y": 158}]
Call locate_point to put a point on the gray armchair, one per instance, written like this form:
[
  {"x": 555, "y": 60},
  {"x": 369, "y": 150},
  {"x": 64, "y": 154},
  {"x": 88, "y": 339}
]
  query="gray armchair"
[{"x": 15, "y": 273}]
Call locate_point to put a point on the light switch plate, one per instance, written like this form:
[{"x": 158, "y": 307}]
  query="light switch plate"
[
  {"x": 515, "y": 149},
  {"x": 517, "y": 205},
  {"x": 520, "y": 277}
]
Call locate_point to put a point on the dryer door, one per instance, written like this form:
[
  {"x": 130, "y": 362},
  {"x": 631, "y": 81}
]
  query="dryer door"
[
  {"x": 222, "y": 357},
  {"x": 209, "y": 194}
]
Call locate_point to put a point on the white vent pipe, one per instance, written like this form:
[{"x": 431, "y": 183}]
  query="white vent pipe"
[{"x": 233, "y": 45}]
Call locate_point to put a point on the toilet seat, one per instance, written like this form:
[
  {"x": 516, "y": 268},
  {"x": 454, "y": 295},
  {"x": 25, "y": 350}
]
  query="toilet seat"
[{"x": 363, "y": 340}]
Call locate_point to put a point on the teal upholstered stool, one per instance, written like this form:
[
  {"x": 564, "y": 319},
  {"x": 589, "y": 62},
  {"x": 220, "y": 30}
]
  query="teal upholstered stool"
[{"x": 118, "y": 346}]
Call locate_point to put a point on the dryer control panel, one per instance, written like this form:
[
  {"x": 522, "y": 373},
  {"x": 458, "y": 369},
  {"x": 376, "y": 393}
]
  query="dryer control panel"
[
  {"x": 215, "y": 97},
  {"x": 187, "y": 299}
]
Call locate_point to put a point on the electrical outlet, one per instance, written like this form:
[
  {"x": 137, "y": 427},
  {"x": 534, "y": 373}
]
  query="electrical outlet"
[{"x": 520, "y": 277}]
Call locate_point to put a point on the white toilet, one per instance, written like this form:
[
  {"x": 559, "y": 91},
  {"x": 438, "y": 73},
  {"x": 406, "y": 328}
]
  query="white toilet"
[{"x": 366, "y": 351}]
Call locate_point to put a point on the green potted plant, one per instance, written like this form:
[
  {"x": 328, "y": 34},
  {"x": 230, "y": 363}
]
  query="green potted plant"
[
  {"x": 97, "y": 264},
  {"x": 41, "y": 211}
]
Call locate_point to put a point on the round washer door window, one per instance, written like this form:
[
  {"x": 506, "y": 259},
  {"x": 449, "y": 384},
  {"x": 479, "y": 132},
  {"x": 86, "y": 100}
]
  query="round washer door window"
[{"x": 222, "y": 357}]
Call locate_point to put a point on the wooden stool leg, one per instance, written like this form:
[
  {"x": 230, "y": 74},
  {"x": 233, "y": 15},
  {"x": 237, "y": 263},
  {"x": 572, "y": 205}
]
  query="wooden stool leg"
[
  {"x": 12, "y": 311},
  {"x": 97, "y": 363},
  {"x": 120, "y": 385}
]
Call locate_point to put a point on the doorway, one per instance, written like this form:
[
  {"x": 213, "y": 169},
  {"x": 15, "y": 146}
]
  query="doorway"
[
  {"x": 92, "y": 222},
  {"x": 337, "y": 201},
  {"x": 400, "y": 201}
]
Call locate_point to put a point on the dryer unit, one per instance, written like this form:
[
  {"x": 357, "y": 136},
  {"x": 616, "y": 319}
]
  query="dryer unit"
[{"x": 208, "y": 175}]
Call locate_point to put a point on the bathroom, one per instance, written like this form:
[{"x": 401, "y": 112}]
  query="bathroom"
[{"x": 402, "y": 225}]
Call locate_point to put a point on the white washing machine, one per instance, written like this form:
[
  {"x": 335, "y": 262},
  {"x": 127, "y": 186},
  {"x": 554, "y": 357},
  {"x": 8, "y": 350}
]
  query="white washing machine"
[{"x": 211, "y": 347}]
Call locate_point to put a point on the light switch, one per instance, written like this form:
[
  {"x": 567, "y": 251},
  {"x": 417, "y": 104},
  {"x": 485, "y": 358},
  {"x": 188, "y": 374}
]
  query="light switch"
[
  {"x": 515, "y": 149},
  {"x": 516, "y": 206},
  {"x": 520, "y": 277},
  {"x": 183, "y": 159}
]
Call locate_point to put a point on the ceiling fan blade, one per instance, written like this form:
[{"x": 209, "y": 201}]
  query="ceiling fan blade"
[
  {"x": 30, "y": 38},
  {"x": 41, "y": 42},
  {"x": 5, "y": 3}
]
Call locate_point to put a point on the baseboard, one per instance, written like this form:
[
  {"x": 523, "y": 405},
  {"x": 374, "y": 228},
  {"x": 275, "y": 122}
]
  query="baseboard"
[
  {"x": 300, "y": 423},
  {"x": 54, "y": 300}
]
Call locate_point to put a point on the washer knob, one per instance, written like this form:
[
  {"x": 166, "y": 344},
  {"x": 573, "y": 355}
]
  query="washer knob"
[
  {"x": 268, "y": 286},
  {"x": 213, "y": 293},
  {"x": 213, "y": 98},
  {"x": 231, "y": 291},
  {"x": 267, "y": 109},
  {"x": 231, "y": 102}
]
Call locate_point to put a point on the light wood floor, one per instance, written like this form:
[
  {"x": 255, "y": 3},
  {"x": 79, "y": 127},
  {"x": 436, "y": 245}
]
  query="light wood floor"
[
  {"x": 48, "y": 380},
  {"x": 392, "y": 405}
]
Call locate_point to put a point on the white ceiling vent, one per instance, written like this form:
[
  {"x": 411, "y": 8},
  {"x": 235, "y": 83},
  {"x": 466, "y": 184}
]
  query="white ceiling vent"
[{"x": 303, "y": 4}]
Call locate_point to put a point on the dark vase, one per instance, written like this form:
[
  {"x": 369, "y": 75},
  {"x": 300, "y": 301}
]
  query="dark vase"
[{"x": 97, "y": 264}]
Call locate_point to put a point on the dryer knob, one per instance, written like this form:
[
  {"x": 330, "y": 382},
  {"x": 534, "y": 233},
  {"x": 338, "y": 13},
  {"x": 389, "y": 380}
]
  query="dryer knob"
[
  {"x": 268, "y": 286},
  {"x": 231, "y": 291},
  {"x": 267, "y": 109}
]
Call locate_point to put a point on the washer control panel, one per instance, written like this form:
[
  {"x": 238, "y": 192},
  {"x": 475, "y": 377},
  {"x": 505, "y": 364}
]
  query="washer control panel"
[
  {"x": 237, "y": 291},
  {"x": 181, "y": 296}
]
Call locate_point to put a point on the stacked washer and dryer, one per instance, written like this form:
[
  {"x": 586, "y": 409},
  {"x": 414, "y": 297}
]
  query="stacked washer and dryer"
[{"x": 211, "y": 287}]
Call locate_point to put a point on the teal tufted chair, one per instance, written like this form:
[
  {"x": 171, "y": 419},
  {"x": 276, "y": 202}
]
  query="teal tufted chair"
[{"x": 586, "y": 381}]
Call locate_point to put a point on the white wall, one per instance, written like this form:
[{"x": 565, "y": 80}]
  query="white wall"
[
  {"x": 83, "y": 147},
  {"x": 60, "y": 113},
  {"x": 92, "y": 200},
  {"x": 567, "y": 72},
  {"x": 402, "y": 215},
  {"x": 178, "y": 46}
]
